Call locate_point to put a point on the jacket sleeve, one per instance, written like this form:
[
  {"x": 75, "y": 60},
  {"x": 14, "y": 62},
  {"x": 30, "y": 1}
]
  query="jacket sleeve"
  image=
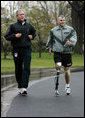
[
  {"x": 73, "y": 38},
  {"x": 49, "y": 43},
  {"x": 33, "y": 32},
  {"x": 9, "y": 35}
]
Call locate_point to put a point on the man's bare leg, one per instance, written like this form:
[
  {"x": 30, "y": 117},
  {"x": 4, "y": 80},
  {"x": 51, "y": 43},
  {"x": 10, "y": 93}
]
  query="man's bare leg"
[{"x": 67, "y": 79}]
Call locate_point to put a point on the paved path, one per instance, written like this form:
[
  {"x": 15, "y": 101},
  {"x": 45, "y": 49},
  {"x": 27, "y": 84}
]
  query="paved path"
[{"x": 42, "y": 102}]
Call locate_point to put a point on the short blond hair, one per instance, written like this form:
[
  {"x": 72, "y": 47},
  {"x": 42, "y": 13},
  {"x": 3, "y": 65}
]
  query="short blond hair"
[{"x": 62, "y": 16}]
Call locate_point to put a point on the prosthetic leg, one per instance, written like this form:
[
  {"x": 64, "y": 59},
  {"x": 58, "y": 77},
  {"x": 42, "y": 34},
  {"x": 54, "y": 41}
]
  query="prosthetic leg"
[
  {"x": 57, "y": 79},
  {"x": 58, "y": 65}
]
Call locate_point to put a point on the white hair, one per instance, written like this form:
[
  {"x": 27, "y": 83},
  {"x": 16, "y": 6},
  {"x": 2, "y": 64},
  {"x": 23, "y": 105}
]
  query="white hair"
[{"x": 19, "y": 10}]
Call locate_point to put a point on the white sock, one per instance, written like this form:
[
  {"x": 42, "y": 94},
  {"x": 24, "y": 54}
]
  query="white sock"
[{"x": 67, "y": 85}]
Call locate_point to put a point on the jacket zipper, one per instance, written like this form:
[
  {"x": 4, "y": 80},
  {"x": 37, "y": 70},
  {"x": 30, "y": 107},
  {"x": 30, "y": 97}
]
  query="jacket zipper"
[
  {"x": 61, "y": 34},
  {"x": 62, "y": 38}
]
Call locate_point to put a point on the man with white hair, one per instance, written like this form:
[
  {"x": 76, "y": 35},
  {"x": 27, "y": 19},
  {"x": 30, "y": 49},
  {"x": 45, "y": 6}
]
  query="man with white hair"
[{"x": 61, "y": 40}]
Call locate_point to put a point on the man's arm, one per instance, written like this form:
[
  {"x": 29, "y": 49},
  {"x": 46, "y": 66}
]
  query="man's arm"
[
  {"x": 9, "y": 34},
  {"x": 49, "y": 43},
  {"x": 71, "y": 39},
  {"x": 32, "y": 33}
]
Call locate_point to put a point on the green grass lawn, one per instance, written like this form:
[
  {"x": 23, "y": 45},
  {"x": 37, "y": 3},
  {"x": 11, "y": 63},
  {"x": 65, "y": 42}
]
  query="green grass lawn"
[{"x": 7, "y": 66}]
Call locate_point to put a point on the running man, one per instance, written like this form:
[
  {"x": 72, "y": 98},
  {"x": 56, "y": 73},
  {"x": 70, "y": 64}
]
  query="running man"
[
  {"x": 61, "y": 40},
  {"x": 21, "y": 33}
]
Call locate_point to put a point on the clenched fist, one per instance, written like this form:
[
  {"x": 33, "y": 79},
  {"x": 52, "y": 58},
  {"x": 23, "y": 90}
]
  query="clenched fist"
[
  {"x": 18, "y": 35},
  {"x": 30, "y": 36},
  {"x": 50, "y": 51},
  {"x": 68, "y": 43}
]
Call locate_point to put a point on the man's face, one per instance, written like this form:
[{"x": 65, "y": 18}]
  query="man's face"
[
  {"x": 21, "y": 16},
  {"x": 61, "y": 21}
]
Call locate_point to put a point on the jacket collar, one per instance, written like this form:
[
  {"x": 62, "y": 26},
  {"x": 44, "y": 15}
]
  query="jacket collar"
[
  {"x": 59, "y": 28},
  {"x": 21, "y": 22}
]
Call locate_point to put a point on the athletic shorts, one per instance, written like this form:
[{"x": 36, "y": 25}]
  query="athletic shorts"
[{"x": 65, "y": 59}]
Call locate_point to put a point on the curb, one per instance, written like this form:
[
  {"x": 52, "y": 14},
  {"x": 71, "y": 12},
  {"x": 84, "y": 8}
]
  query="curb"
[{"x": 8, "y": 81}]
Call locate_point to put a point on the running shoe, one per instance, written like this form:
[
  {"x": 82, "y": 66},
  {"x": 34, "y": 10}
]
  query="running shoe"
[
  {"x": 23, "y": 91},
  {"x": 56, "y": 92},
  {"x": 68, "y": 90}
]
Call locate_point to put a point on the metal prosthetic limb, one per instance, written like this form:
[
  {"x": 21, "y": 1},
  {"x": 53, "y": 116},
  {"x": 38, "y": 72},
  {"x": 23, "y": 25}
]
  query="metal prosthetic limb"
[
  {"x": 58, "y": 65},
  {"x": 57, "y": 79}
]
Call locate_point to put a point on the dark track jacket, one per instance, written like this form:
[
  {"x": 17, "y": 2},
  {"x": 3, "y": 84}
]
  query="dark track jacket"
[{"x": 26, "y": 29}]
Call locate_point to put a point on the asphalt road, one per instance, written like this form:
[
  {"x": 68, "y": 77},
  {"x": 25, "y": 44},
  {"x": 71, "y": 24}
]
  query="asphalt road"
[{"x": 42, "y": 102}]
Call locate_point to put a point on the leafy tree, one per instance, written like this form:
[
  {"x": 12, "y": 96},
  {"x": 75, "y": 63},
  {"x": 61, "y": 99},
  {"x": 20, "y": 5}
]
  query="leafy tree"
[
  {"x": 42, "y": 26},
  {"x": 5, "y": 45}
]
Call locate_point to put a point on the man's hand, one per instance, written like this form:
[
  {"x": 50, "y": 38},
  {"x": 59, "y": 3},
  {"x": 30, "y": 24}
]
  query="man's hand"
[
  {"x": 50, "y": 51},
  {"x": 30, "y": 37},
  {"x": 68, "y": 43},
  {"x": 18, "y": 35}
]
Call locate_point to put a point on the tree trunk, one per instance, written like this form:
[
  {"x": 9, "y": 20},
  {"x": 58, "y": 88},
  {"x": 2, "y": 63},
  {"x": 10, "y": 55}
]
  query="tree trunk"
[
  {"x": 78, "y": 24},
  {"x": 5, "y": 55},
  {"x": 80, "y": 36},
  {"x": 39, "y": 44}
]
